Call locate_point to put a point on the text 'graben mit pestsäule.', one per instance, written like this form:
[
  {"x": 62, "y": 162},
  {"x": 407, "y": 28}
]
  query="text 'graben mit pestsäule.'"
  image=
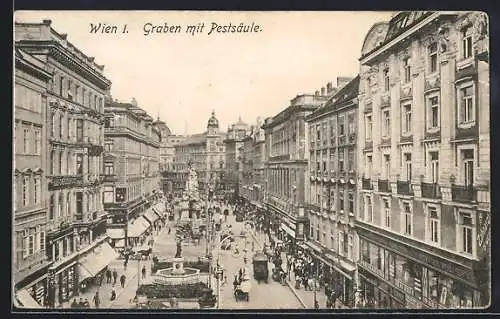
[{"x": 149, "y": 29}]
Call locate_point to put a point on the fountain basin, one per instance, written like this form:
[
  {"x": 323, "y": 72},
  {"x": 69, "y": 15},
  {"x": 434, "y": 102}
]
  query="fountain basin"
[{"x": 171, "y": 276}]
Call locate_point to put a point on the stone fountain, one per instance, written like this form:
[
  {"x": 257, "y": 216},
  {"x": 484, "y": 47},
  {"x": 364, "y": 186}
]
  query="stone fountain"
[{"x": 178, "y": 274}]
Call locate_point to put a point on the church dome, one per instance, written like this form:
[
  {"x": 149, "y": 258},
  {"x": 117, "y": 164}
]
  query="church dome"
[
  {"x": 213, "y": 121},
  {"x": 163, "y": 127}
]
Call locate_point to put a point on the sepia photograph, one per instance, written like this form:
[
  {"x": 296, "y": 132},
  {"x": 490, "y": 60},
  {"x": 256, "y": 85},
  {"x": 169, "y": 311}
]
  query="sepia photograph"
[{"x": 250, "y": 160}]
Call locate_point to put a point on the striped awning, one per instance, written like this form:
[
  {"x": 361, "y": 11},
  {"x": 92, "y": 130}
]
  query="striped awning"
[
  {"x": 137, "y": 227},
  {"x": 115, "y": 233},
  {"x": 151, "y": 216},
  {"x": 91, "y": 264}
]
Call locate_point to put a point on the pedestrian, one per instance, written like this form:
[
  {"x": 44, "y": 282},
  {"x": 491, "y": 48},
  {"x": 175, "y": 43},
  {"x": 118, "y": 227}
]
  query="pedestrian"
[
  {"x": 86, "y": 303},
  {"x": 113, "y": 294},
  {"x": 316, "y": 304},
  {"x": 108, "y": 275},
  {"x": 115, "y": 275},
  {"x": 96, "y": 299},
  {"x": 74, "y": 304},
  {"x": 143, "y": 271},
  {"x": 81, "y": 303},
  {"x": 122, "y": 280}
]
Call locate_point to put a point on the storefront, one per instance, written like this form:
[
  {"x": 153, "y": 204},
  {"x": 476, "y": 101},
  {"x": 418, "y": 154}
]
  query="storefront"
[
  {"x": 116, "y": 237},
  {"x": 31, "y": 291},
  {"x": 92, "y": 265},
  {"x": 152, "y": 218},
  {"x": 137, "y": 231},
  {"x": 413, "y": 279},
  {"x": 335, "y": 271},
  {"x": 63, "y": 283}
]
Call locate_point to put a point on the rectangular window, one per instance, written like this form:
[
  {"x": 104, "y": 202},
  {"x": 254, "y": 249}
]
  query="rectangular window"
[
  {"x": 466, "y": 105},
  {"x": 351, "y": 203},
  {"x": 79, "y": 164},
  {"x": 79, "y": 130},
  {"x": 42, "y": 240},
  {"x": 31, "y": 245},
  {"x": 467, "y": 42},
  {"x": 341, "y": 200},
  {"x": 79, "y": 203},
  {"x": 26, "y": 197},
  {"x": 466, "y": 226},
  {"x": 407, "y": 123},
  {"x": 386, "y": 122},
  {"x": 369, "y": 166},
  {"x": 351, "y": 124},
  {"x": 369, "y": 127},
  {"x": 434, "y": 166},
  {"x": 26, "y": 140},
  {"x": 350, "y": 160},
  {"x": 433, "y": 117},
  {"x": 434, "y": 225},
  {"x": 387, "y": 213},
  {"x": 108, "y": 168},
  {"x": 36, "y": 190},
  {"x": 53, "y": 125},
  {"x": 386, "y": 80},
  {"x": 369, "y": 209},
  {"x": 407, "y": 167},
  {"x": 61, "y": 86},
  {"x": 341, "y": 160},
  {"x": 108, "y": 194},
  {"x": 433, "y": 58},
  {"x": 368, "y": 87},
  {"x": 407, "y": 218},
  {"x": 468, "y": 167},
  {"x": 387, "y": 166},
  {"x": 407, "y": 70},
  {"x": 341, "y": 125},
  {"x": 38, "y": 141}
]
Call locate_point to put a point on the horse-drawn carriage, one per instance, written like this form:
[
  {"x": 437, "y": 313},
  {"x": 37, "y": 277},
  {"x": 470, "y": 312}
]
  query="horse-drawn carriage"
[
  {"x": 242, "y": 291},
  {"x": 260, "y": 267}
]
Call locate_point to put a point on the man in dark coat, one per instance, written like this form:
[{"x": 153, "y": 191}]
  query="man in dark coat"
[
  {"x": 122, "y": 280},
  {"x": 115, "y": 276}
]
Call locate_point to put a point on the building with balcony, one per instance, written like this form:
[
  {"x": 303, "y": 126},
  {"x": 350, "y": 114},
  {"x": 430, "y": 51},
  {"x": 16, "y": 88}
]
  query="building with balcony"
[
  {"x": 206, "y": 153},
  {"x": 424, "y": 154},
  {"x": 286, "y": 166},
  {"x": 233, "y": 142},
  {"x": 74, "y": 116},
  {"x": 252, "y": 180},
  {"x": 29, "y": 258},
  {"x": 131, "y": 172},
  {"x": 332, "y": 200}
]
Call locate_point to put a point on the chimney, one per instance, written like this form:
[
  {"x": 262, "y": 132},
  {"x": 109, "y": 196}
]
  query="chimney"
[
  {"x": 329, "y": 87},
  {"x": 47, "y": 21},
  {"x": 323, "y": 91},
  {"x": 316, "y": 93}
]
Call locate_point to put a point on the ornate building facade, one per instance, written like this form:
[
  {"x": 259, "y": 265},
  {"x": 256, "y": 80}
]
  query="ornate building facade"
[
  {"x": 29, "y": 258},
  {"x": 235, "y": 137},
  {"x": 131, "y": 171},
  {"x": 424, "y": 150},
  {"x": 252, "y": 152},
  {"x": 206, "y": 153},
  {"x": 75, "y": 136},
  {"x": 332, "y": 187},
  {"x": 286, "y": 166}
]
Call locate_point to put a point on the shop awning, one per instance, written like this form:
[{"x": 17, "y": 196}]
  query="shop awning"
[
  {"x": 159, "y": 208},
  {"x": 92, "y": 263},
  {"x": 119, "y": 243},
  {"x": 115, "y": 233},
  {"x": 151, "y": 216},
  {"x": 314, "y": 247},
  {"x": 26, "y": 300},
  {"x": 137, "y": 227}
]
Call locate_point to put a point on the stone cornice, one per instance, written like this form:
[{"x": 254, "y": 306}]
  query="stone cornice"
[{"x": 65, "y": 57}]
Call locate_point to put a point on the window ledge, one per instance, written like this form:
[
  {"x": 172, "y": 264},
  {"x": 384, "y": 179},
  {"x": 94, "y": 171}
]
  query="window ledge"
[
  {"x": 462, "y": 64},
  {"x": 467, "y": 125},
  {"x": 433, "y": 129}
]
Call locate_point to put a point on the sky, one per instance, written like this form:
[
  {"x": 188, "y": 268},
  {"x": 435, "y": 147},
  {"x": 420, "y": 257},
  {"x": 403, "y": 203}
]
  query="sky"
[{"x": 182, "y": 77}]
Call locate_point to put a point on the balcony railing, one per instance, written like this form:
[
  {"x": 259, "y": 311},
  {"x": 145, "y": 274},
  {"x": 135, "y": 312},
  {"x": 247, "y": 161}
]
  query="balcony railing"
[
  {"x": 383, "y": 186},
  {"x": 366, "y": 183},
  {"x": 58, "y": 182},
  {"x": 342, "y": 140},
  {"x": 463, "y": 193},
  {"x": 404, "y": 188},
  {"x": 431, "y": 190}
]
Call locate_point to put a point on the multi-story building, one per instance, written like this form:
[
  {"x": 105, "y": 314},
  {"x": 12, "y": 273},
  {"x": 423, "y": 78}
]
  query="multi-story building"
[
  {"x": 206, "y": 153},
  {"x": 332, "y": 182},
  {"x": 234, "y": 140},
  {"x": 29, "y": 259},
  {"x": 287, "y": 166},
  {"x": 424, "y": 217},
  {"x": 170, "y": 181},
  {"x": 76, "y": 227},
  {"x": 253, "y": 176},
  {"x": 131, "y": 172}
]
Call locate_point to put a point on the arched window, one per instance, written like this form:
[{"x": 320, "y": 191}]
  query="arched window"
[{"x": 51, "y": 207}]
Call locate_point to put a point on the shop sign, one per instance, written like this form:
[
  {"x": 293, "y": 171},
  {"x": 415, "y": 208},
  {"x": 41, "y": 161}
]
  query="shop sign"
[{"x": 424, "y": 258}]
